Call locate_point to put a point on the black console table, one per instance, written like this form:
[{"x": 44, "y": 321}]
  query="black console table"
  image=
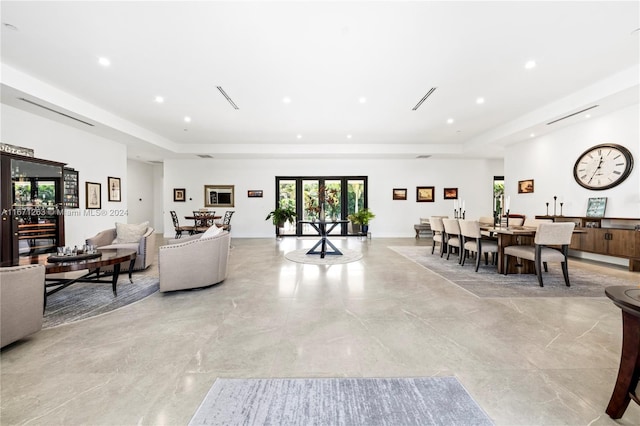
[
  {"x": 324, "y": 228},
  {"x": 627, "y": 299}
]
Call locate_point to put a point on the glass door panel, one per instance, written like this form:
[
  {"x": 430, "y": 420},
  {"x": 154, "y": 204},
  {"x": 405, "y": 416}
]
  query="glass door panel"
[
  {"x": 310, "y": 207},
  {"x": 287, "y": 198},
  {"x": 333, "y": 202},
  {"x": 355, "y": 198}
]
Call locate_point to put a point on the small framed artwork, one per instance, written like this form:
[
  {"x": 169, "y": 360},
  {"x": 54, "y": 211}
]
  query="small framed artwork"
[
  {"x": 254, "y": 193},
  {"x": 424, "y": 194},
  {"x": 596, "y": 207},
  {"x": 399, "y": 193},
  {"x": 113, "y": 183},
  {"x": 94, "y": 195},
  {"x": 218, "y": 196},
  {"x": 179, "y": 195},
  {"x": 451, "y": 193},
  {"x": 525, "y": 186}
]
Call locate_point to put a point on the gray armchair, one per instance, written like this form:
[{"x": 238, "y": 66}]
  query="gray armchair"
[
  {"x": 144, "y": 248},
  {"x": 21, "y": 302},
  {"x": 193, "y": 262}
]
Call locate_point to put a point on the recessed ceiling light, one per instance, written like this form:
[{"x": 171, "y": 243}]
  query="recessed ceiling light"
[
  {"x": 532, "y": 135},
  {"x": 105, "y": 62},
  {"x": 362, "y": 100},
  {"x": 299, "y": 136},
  {"x": 588, "y": 116},
  {"x": 187, "y": 119},
  {"x": 530, "y": 64},
  {"x": 286, "y": 100},
  {"x": 349, "y": 136},
  {"x": 480, "y": 101},
  {"x": 159, "y": 99},
  {"x": 450, "y": 121}
]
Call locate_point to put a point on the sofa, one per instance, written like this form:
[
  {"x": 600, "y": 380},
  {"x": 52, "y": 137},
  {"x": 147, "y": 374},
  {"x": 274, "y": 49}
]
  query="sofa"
[
  {"x": 144, "y": 244},
  {"x": 194, "y": 262},
  {"x": 21, "y": 302}
]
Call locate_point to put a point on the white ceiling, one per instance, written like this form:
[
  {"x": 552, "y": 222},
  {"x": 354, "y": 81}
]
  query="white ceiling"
[{"x": 324, "y": 56}]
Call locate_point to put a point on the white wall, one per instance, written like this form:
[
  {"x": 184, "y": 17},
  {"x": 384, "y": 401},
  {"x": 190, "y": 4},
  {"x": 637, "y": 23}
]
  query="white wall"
[
  {"x": 141, "y": 189},
  {"x": 94, "y": 157},
  {"x": 474, "y": 178},
  {"x": 549, "y": 161}
]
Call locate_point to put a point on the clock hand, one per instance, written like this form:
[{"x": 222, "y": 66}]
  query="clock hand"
[{"x": 596, "y": 170}]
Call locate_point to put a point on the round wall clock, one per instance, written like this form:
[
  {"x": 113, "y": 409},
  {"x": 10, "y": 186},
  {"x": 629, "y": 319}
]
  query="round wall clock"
[{"x": 603, "y": 166}]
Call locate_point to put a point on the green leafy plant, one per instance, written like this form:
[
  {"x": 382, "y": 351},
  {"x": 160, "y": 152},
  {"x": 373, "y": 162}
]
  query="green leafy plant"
[
  {"x": 282, "y": 214},
  {"x": 361, "y": 217}
]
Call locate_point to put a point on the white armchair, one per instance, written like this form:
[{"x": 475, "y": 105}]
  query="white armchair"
[
  {"x": 144, "y": 247},
  {"x": 193, "y": 262},
  {"x": 21, "y": 302}
]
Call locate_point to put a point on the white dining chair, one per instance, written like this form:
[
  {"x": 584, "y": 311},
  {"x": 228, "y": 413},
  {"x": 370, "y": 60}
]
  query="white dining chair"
[
  {"x": 453, "y": 237},
  {"x": 472, "y": 242}
]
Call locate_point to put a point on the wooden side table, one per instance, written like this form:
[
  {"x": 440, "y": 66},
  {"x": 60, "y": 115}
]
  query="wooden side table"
[{"x": 627, "y": 299}]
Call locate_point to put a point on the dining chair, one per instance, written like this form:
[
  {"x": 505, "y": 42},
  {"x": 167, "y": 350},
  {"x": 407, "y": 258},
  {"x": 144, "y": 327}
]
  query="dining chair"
[
  {"x": 437, "y": 228},
  {"x": 199, "y": 219},
  {"x": 226, "y": 220},
  {"x": 473, "y": 242},
  {"x": 453, "y": 237},
  {"x": 515, "y": 219},
  {"x": 176, "y": 225},
  {"x": 535, "y": 222},
  {"x": 209, "y": 220},
  {"x": 547, "y": 234}
]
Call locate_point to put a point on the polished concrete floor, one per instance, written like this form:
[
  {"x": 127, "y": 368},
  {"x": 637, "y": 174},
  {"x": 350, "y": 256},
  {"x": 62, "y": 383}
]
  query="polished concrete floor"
[{"x": 526, "y": 361}]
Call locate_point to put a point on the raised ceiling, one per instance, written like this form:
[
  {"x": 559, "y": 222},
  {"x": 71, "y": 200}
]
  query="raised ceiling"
[{"x": 352, "y": 72}]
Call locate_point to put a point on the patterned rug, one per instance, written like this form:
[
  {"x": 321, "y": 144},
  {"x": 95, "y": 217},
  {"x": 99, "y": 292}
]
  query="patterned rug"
[
  {"x": 301, "y": 256},
  {"x": 85, "y": 300},
  {"x": 345, "y": 401},
  {"x": 488, "y": 283}
]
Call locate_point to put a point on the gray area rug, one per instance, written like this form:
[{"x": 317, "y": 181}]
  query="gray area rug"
[
  {"x": 344, "y": 401},
  {"x": 488, "y": 283},
  {"x": 301, "y": 256},
  {"x": 84, "y": 300}
]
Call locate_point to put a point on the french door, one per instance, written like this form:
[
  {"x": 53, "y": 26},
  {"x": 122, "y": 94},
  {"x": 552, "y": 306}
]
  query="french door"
[{"x": 342, "y": 196}]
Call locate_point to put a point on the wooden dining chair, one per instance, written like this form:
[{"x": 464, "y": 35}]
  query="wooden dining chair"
[
  {"x": 226, "y": 220},
  {"x": 473, "y": 242},
  {"x": 199, "y": 222},
  {"x": 453, "y": 237},
  {"x": 548, "y": 234},
  {"x": 178, "y": 228}
]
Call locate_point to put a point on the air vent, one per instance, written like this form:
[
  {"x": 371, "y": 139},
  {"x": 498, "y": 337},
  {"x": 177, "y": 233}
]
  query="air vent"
[
  {"x": 53, "y": 110},
  {"x": 424, "y": 98},
  {"x": 204, "y": 156},
  {"x": 233, "y": 104},
  {"x": 571, "y": 115},
  {"x": 423, "y": 156}
]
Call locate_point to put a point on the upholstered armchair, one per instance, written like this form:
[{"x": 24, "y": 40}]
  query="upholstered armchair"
[
  {"x": 438, "y": 234},
  {"x": 21, "y": 302},
  {"x": 194, "y": 262},
  {"x": 472, "y": 242},
  {"x": 453, "y": 236},
  {"x": 144, "y": 245}
]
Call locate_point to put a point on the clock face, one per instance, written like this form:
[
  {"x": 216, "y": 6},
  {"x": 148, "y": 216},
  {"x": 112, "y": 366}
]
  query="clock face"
[{"x": 603, "y": 166}]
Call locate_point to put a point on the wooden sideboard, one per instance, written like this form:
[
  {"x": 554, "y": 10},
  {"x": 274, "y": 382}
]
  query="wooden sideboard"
[{"x": 609, "y": 236}]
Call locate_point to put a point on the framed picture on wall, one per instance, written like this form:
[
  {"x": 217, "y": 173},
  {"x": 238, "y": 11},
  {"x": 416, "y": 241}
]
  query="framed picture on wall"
[
  {"x": 596, "y": 207},
  {"x": 525, "y": 186},
  {"x": 218, "y": 196},
  {"x": 254, "y": 193},
  {"x": 451, "y": 193},
  {"x": 425, "y": 194},
  {"x": 179, "y": 195},
  {"x": 399, "y": 193},
  {"x": 113, "y": 183},
  {"x": 93, "y": 195}
]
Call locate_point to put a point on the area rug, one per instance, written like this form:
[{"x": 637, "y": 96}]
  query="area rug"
[
  {"x": 301, "y": 256},
  {"x": 488, "y": 283},
  {"x": 339, "y": 401},
  {"x": 84, "y": 300}
]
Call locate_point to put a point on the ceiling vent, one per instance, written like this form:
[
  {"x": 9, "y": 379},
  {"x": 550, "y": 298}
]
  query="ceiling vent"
[
  {"x": 53, "y": 110},
  {"x": 233, "y": 104},
  {"x": 423, "y": 156},
  {"x": 424, "y": 98},
  {"x": 571, "y": 115},
  {"x": 204, "y": 156}
]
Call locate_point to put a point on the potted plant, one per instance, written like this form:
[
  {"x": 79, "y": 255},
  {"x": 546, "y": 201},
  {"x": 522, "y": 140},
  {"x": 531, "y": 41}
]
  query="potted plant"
[
  {"x": 282, "y": 214},
  {"x": 360, "y": 220}
]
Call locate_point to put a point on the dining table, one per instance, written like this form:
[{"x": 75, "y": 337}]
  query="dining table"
[{"x": 324, "y": 228}]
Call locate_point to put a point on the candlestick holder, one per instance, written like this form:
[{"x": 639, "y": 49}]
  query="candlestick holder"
[
  {"x": 455, "y": 213},
  {"x": 547, "y": 203},
  {"x": 561, "y": 208},
  {"x": 507, "y": 218},
  {"x": 463, "y": 214},
  {"x": 554, "y": 204}
]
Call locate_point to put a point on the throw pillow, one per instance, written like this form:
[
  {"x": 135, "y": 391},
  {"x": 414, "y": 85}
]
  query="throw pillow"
[
  {"x": 212, "y": 232},
  {"x": 129, "y": 233}
]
